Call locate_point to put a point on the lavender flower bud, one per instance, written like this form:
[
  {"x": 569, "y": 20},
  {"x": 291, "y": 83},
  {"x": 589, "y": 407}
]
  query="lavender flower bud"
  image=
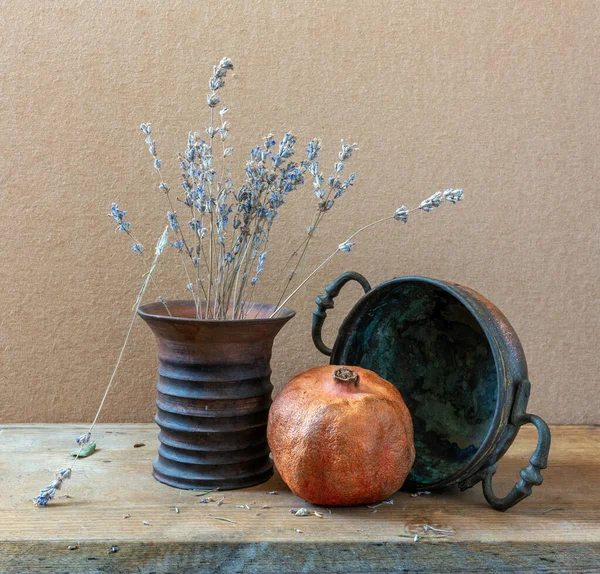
[
  {"x": 138, "y": 248},
  {"x": 401, "y": 214},
  {"x": 226, "y": 64},
  {"x": 146, "y": 128},
  {"x": 227, "y": 151},
  {"x": 346, "y": 246},
  {"x": 163, "y": 187},
  {"x": 195, "y": 225},
  {"x": 83, "y": 439},
  {"x": 269, "y": 141},
  {"x": 118, "y": 215},
  {"x": 312, "y": 149},
  {"x": 432, "y": 202},
  {"x": 223, "y": 112},
  {"x": 190, "y": 287},
  {"x": 347, "y": 150},
  {"x": 313, "y": 168},
  {"x": 325, "y": 205},
  {"x": 260, "y": 266},
  {"x": 172, "y": 217},
  {"x": 216, "y": 82},
  {"x": 45, "y": 495},
  {"x": 454, "y": 195},
  {"x": 157, "y": 164},
  {"x": 179, "y": 244},
  {"x": 212, "y": 100},
  {"x": 64, "y": 474}
]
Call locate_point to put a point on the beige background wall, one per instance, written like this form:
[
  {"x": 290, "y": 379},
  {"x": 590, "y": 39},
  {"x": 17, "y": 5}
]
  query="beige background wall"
[{"x": 500, "y": 98}]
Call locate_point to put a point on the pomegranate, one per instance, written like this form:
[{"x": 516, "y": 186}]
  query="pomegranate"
[{"x": 341, "y": 436}]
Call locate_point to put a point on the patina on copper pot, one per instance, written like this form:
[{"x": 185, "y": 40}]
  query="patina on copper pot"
[{"x": 214, "y": 394}]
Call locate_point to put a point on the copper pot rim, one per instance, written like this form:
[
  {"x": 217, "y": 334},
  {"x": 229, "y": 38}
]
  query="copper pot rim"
[{"x": 156, "y": 310}]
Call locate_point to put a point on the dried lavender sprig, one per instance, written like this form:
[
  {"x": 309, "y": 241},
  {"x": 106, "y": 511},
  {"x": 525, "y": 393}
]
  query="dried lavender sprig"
[
  {"x": 427, "y": 205},
  {"x": 137, "y": 248},
  {"x": 326, "y": 202},
  {"x": 48, "y": 492},
  {"x": 259, "y": 200},
  {"x": 216, "y": 82},
  {"x": 147, "y": 130}
]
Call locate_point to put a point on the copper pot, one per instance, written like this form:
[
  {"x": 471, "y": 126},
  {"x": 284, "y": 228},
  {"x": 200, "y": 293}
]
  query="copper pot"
[
  {"x": 214, "y": 394},
  {"x": 460, "y": 368}
]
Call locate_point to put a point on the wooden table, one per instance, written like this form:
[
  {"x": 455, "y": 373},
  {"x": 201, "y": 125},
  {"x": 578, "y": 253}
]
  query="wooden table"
[{"x": 114, "y": 501}]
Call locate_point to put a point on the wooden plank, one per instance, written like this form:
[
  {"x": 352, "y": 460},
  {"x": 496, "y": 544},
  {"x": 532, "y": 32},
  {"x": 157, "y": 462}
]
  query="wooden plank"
[
  {"x": 278, "y": 558},
  {"x": 116, "y": 481}
]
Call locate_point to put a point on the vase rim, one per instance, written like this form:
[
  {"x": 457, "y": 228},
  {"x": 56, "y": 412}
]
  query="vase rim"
[{"x": 156, "y": 310}]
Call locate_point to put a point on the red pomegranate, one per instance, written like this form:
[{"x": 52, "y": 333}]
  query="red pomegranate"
[{"x": 341, "y": 436}]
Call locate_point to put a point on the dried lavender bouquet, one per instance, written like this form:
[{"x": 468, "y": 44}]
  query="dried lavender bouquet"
[{"x": 222, "y": 230}]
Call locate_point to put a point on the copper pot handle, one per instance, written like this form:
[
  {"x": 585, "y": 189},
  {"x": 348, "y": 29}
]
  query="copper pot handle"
[
  {"x": 325, "y": 302},
  {"x": 531, "y": 475}
]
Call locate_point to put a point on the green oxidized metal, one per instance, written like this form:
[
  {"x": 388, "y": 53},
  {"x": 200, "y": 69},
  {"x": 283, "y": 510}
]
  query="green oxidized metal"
[{"x": 460, "y": 368}]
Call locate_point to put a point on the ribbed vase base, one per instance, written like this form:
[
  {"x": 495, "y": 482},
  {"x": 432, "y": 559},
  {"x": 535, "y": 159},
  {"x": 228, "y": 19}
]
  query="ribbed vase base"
[{"x": 189, "y": 480}]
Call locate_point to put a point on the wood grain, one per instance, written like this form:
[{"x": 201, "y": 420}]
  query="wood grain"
[{"x": 117, "y": 480}]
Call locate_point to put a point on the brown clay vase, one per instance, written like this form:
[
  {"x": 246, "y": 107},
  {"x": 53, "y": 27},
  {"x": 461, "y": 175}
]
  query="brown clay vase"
[{"x": 214, "y": 394}]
